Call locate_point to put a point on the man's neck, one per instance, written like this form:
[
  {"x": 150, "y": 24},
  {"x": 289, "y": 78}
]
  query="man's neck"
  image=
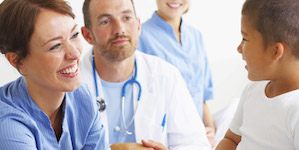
[{"x": 114, "y": 71}]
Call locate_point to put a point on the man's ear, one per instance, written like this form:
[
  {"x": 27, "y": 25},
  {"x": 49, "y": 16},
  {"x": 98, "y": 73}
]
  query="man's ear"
[
  {"x": 87, "y": 35},
  {"x": 279, "y": 50},
  {"x": 12, "y": 58},
  {"x": 139, "y": 25}
]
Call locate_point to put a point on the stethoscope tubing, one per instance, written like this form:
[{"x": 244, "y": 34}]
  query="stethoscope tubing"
[
  {"x": 103, "y": 106},
  {"x": 95, "y": 77}
]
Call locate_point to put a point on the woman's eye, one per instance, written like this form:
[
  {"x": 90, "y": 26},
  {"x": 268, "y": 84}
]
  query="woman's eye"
[
  {"x": 55, "y": 47},
  {"x": 75, "y": 35}
]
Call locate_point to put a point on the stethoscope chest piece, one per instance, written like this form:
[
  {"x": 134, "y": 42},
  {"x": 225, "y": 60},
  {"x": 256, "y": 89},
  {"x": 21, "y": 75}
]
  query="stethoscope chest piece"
[{"x": 101, "y": 104}]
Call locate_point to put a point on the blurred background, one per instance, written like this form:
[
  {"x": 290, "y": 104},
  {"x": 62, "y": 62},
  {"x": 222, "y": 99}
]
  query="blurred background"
[{"x": 219, "y": 22}]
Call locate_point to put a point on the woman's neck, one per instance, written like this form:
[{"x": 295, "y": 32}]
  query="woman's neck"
[
  {"x": 174, "y": 22},
  {"x": 50, "y": 102}
]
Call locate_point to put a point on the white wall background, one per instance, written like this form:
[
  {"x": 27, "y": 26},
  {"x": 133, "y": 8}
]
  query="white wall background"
[{"x": 219, "y": 22}]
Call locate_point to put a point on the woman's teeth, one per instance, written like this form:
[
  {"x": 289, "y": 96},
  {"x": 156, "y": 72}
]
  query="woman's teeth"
[
  {"x": 174, "y": 5},
  {"x": 70, "y": 70}
]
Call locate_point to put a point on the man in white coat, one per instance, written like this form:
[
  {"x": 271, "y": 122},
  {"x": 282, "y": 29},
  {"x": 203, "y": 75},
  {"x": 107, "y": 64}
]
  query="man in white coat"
[{"x": 157, "y": 109}]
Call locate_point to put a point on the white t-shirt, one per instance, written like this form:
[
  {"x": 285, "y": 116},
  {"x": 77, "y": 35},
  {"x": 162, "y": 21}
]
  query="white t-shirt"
[{"x": 267, "y": 123}]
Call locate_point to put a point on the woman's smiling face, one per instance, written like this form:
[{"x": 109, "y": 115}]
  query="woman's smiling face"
[
  {"x": 172, "y": 9},
  {"x": 54, "y": 52}
]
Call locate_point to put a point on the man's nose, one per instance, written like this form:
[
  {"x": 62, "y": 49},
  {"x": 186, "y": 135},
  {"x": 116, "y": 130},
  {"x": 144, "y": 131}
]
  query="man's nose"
[{"x": 119, "y": 28}]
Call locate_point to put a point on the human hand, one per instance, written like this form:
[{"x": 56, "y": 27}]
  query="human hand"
[
  {"x": 153, "y": 144},
  {"x": 129, "y": 146},
  {"x": 211, "y": 136}
]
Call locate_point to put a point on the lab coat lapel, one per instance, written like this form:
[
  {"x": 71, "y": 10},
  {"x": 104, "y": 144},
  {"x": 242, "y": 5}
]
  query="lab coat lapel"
[
  {"x": 146, "y": 107},
  {"x": 103, "y": 115},
  {"x": 87, "y": 70}
]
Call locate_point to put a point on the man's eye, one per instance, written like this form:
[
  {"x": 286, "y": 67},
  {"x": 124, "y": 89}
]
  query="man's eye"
[
  {"x": 128, "y": 18},
  {"x": 105, "y": 22}
]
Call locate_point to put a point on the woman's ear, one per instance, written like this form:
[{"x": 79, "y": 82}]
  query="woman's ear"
[
  {"x": 279, "y": 50},
  {"x": 12, "y": 58}
]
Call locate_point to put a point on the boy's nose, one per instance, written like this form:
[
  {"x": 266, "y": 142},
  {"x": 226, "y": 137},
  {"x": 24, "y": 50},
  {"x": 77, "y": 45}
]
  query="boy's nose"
[{"x": 239, "y": 48}]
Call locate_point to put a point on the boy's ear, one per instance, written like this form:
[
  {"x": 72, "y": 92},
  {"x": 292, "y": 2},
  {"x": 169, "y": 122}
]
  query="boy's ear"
[
  {"x": 87, "y": 35},
  {"x": 12, "y": 58},
  {"x": 279, "y": 49}
]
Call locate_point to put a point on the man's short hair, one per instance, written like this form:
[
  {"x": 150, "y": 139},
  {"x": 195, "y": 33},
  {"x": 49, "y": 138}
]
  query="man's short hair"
[{"x": 86, "y": 13}]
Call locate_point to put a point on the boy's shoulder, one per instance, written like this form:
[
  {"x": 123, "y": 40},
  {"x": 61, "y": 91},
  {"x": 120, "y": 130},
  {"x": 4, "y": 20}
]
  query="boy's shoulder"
[{"x": 255, "y": 86}]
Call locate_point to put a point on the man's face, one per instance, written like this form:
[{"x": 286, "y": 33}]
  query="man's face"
[{"x": 114, "y": 30}]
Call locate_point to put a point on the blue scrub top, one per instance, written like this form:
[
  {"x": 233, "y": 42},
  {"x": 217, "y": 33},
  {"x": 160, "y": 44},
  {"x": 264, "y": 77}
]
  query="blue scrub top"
[
  {"x": 113, "y": 95},
  {"x": 158, "y": 38},
  {"x": 23, "y": 125}
]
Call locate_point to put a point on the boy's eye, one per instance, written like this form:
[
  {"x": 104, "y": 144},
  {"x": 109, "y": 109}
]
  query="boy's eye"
[
  {"x": 55, "y": 47},
  {"x": 75, "y": 35},
  {"x": 244, "y": 39}
]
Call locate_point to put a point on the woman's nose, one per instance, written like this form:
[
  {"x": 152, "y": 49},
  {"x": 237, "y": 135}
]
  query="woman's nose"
[{"x": 72, "y": 52}]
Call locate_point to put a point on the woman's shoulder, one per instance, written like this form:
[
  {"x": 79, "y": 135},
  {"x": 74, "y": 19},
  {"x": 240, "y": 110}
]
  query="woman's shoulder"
[
  {"x": 8, "y": 111},
  {"x": 12, "y": 86},
  {"x": 81, "y": 99},
  {"x": 81, "y": 95},
  {"x": 13, "y": 96},
  {"x": 18, "y": 129},
  {"x": 13, "y": 121},
  {"x": 191, "y": 30},
  {"x": 12, "y": 104}
]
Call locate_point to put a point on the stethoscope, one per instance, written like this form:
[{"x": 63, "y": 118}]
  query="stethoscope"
[{"x": 102, "y": 104}]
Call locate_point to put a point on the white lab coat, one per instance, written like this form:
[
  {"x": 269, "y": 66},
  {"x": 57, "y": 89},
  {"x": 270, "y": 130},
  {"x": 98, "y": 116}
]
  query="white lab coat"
[{"x": 163, "y": 92}]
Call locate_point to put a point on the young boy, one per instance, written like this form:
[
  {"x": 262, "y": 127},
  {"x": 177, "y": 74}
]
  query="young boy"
[{"x": 267, "y": 117}]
